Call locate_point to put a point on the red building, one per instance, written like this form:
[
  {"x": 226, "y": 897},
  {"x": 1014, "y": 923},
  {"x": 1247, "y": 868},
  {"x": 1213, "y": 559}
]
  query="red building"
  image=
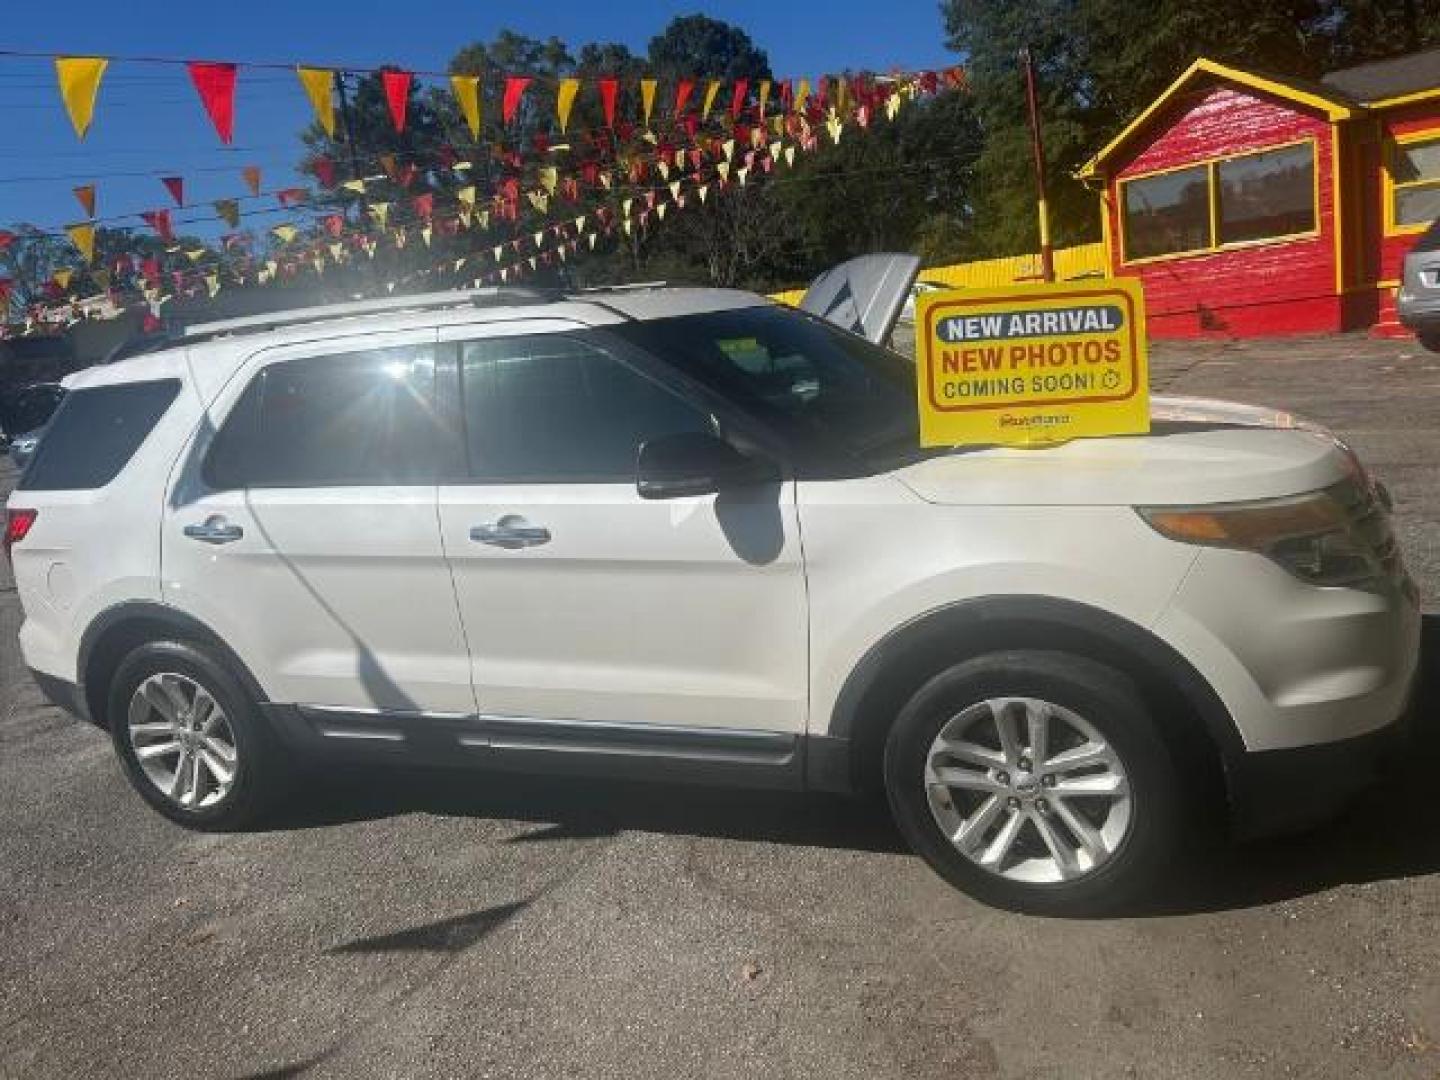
[{"x": 1255, "y": 205}]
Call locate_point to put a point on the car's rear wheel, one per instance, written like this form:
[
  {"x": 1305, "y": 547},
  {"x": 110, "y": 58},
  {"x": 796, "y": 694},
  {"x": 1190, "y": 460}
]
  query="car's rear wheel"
[
  {"x": 192, "y": 743},
  {"x": 1430, "y": 340},
  {"x": 1034, "y": 781}
]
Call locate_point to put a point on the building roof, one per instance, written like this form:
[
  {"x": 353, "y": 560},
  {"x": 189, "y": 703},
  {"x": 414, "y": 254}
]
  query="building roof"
[
  {"x": 1334, "y": 103},
  {"x": 1386, "y": 82}
]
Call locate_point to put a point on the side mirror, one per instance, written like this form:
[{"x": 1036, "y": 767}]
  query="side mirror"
[{"x": 695, "y": 463}]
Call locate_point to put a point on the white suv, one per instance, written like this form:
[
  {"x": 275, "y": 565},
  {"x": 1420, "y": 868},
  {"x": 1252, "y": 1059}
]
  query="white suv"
[{"x": 690, "y": 534}]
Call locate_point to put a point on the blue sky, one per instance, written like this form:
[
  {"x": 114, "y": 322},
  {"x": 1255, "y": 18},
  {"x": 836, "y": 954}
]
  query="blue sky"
[{"x": 149, "y": 123}]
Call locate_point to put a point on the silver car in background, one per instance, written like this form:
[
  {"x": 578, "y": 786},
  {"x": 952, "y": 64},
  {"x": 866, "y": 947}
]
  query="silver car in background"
[{"x": 1418, "y": 304}]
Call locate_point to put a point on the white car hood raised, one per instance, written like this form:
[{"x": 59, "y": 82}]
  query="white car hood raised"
[{"x": 1199, "y": 451}]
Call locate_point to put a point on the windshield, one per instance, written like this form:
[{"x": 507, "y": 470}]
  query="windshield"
[{"x": 821, "y": 386}]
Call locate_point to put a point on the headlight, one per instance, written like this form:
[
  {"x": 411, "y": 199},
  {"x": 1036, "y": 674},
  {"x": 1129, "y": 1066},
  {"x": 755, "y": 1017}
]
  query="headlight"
[{"x": 1311, "y": 536}]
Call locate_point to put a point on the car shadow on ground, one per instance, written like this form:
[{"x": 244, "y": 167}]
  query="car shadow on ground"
[{"x": 1391, "y": 831}]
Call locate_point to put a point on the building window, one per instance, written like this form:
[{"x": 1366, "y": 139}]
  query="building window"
[
  {"x": 1248, "y": 198},
  {"x": 1415, "y": 177},
  {"x": 1168, "y": 213},
  {"x": 1266, "y": 195}
]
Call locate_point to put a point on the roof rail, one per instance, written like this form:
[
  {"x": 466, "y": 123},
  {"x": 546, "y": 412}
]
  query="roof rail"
[
  {"x": 494, "y": 296},
  {"x": 632, "y": 287}
]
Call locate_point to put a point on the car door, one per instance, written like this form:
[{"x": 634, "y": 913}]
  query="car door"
[
  {"x": 594, "y": 616},
  {"x": 304, "y": 531}
]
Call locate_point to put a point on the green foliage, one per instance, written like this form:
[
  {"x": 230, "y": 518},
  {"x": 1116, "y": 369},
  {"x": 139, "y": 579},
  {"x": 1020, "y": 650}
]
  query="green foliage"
[{"x": 698, "y": 46}]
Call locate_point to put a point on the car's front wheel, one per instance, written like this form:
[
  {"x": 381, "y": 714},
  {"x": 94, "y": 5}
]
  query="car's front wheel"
[
  {"x": 191, "y": 742},
  {"x": 1034, "y": 781}
]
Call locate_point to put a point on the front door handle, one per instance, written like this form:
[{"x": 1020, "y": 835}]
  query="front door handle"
[
  {"x": 511, "y": 531},
  {"x": 215, "y": 530}
]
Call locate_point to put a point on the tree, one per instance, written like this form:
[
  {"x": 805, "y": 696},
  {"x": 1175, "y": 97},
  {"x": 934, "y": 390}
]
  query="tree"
[{"x": 696, "y": 45}]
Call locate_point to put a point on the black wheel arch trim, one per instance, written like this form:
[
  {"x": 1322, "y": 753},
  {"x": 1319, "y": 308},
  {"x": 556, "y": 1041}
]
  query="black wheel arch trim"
[
  {"x": 185, "y": 625},
  {"x": 972, "y": 616}
]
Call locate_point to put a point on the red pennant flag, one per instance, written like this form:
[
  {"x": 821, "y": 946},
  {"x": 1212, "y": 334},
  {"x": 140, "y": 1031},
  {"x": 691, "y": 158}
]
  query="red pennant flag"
[
  {"x": 6, "y": 239},
  {"x": 683, "y": 90},
  {"x": 424, "y": 206},
  {"x": 6, "y": 284},
  {"x": 334, "y": 223},
  {"x": 251, "y": 173},
  {"x": 85, "y": 194},
  {"x": 407, "y": 176},
  {"x": 514, "y": 89},
  {"x": 324, "y": 170},
  {"x": 291, "y": 195},
  {"x": 215, "y": 83},
  {"x": 150, "y": 268},
  {"x": 397, "y": 94},
  {"x": 176, "y": 186},
  {"x": 609, "y": 88},
  {"x": 737, "y": 100},
  {"x": 159, "y": 220}
]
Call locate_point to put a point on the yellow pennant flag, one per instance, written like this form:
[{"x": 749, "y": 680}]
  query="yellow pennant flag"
[
  {"x": 729, "y": 148},
  {"x": 625, "y": 207},
  {"x": 743, "y": 174},
  {"x": 790, "y": 156},
  {"x": 704, "y": 191},
  {"x": 467, "y": 95},
  {"x": 834, "y": 126},
  {"x": 723, "y": 169},
  {"x": 380, "y": 211},
  {"x": 629, "y": 226},
  {"x": 539, "y": 239},
  {"x": 591, "y": 238},
  {"x": 285, "y": 233},
  {"x": 539, "y": 200},
  {"x": 62, "y": 278},
  {"x": 802, "y": 91},
  {"x": 647, "y": 97},
  {"x": 212, "y": 284},
  {"x": 764, "y": 96},
  {"x": 318, "y": 83},
  {"x": 79, "y": 78},
  {"x": 675, "y": 190},
  {"x": 550, "y": 177},
  {"x": 426, "y": 233},
  {"x": 498, "y": 251},
  {"x": 195, "y": 254},
  {"x": 466, "y": 195},
  {"x": 337, "y": 252},
  {"x": 775, "y": 148},
  {"x": 565, "y": 100},
  {"x": 483, "y": 219},
  {"x": 580, "y": 224},
  {"x": 357, "y": 186},
  {"x": 102, "y": 279},
  {"x": 664, "y": 168},
  {"x": 892, "y": 106},
  {"x": 83, "y": 237},
  {"x": 228, "y": 211},
  {"x": 660, "y": 210},
  {"x": 711, "y": 89},
  {"x": 465, "y": 216}
]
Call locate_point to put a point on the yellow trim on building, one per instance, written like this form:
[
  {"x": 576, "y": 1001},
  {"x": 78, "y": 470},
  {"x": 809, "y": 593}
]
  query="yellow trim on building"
[
  {"x": 1389, "y": 186},
  {"x": 1405, "y": 99},
  {"x": 1333, "y": 108},
  {"x": 1337, "y": 211},
  {"x": 1209, "y": 164}
]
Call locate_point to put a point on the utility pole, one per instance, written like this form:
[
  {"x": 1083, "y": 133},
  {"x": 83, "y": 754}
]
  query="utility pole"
[
  {"x": 347, "y": 123},
  {"x": 1047, "y": 252}
]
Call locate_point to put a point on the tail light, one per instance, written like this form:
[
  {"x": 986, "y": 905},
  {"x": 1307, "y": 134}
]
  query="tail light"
[{"x": 17, "y": 526}]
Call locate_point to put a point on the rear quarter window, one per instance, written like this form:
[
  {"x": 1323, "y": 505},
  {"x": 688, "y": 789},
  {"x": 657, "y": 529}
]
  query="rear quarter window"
[{"x": 95, "y": 433}]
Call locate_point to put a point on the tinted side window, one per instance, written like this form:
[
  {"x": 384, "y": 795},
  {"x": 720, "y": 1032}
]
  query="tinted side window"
[
  {"x": 95, "y": 433},
  {"x": 346, "y": 419},
  {"x": 548, "y": 407}
]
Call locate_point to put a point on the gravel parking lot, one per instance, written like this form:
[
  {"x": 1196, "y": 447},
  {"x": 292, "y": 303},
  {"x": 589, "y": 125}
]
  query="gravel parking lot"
[{"x": 466, "y": 925}]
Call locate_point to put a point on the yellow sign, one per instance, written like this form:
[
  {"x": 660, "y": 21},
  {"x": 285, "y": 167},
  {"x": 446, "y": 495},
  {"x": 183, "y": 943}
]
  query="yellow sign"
[{"x": 1032, "y": 364}]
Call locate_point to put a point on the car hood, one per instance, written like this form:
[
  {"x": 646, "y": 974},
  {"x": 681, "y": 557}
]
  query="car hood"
[{"x": 1198, "y": 451}]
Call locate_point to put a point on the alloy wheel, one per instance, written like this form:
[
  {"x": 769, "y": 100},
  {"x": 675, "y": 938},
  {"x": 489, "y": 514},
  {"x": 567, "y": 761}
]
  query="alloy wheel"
[
  {"x": 1028, "y": 790},
  {"x": 182, "y": 740}
]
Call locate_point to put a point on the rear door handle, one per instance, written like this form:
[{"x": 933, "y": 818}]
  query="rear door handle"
[
  {"x": 511, "y": 531},
  {"x": 215, "y": 530}
]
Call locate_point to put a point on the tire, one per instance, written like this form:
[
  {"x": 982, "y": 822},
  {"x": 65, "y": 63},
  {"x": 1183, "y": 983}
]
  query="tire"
[
  {"x": 1131, "y": 820},
  {"x": 1429, "y": 339},
  {"x": 256, "y": 765}
]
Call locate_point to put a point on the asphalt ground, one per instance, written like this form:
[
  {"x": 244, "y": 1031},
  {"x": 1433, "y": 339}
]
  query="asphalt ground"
[{"x": 447, "y": 925}]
